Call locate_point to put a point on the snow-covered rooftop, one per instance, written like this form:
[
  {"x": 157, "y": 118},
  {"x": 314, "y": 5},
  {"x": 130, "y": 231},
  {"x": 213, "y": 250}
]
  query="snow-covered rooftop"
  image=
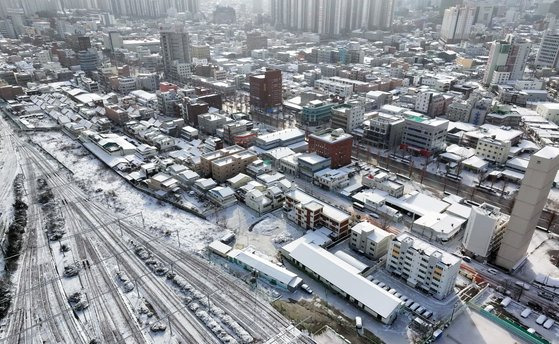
[{"x": 345, "y": 277}]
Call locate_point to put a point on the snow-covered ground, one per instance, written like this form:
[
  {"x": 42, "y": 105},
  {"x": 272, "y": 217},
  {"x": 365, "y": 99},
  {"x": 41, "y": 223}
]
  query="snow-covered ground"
[
  {"x": 471, "y": 327},
  {"x": 539, "y": 258},
  {"x": 38, "y": 121},
  {"x": 265, "y": 233},
  {"x": 109, "y": 188}
]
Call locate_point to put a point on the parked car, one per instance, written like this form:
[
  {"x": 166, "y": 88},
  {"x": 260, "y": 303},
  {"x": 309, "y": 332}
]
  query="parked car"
[
  {"x": 467, "y": 259},
  {"x": 525, "y": 313},
  {"x": 506, "y": 301},
  {"x": 358, "y": 323},
  {"x": 492, "y": 271},
  {"x": 547, "y": 325},
  {"x": 541, "y": 319},
  {"x": 306, "y": 288}
]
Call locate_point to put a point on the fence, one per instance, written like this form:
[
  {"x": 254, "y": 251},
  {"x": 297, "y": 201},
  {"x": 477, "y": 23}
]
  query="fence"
[{"x": 515, "y": 329}]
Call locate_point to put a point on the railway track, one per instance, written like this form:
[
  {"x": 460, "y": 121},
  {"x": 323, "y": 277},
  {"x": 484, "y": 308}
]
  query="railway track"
[{"x": 253, "y": 314}]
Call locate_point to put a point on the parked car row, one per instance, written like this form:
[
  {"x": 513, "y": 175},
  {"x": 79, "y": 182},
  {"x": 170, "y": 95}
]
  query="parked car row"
[{"x": 408, "y": 303}]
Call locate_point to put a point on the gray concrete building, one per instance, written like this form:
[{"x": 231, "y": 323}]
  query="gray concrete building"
[{"x": 530, "y": 201}]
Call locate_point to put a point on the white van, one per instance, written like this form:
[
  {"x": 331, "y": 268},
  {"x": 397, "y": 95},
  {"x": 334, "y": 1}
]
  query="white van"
[
  {"x": 415, "y": 306},
  {"x": 358, "y": 323}
]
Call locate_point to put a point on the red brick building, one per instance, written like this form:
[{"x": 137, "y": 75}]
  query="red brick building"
[
  {"x": 334, "y": 144},
  {"x": 266, "y": 90}
]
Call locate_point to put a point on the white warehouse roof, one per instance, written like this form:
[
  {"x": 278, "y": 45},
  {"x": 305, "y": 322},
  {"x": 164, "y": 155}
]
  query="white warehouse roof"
[
  {"x": 260, "y": 264},
  {"x": 346, "y": 278}
]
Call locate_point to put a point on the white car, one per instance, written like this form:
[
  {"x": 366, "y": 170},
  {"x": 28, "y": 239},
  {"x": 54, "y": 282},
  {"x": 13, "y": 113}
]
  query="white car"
[
  {"x": 492, "y": 271},
  {"x": 306, "y": 288}
]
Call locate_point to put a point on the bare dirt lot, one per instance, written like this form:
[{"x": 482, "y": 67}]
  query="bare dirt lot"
[{"x": 314, "y": 315}]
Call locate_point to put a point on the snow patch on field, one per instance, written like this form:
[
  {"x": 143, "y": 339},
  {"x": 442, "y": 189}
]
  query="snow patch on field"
[{"x": 110, "y": 190}]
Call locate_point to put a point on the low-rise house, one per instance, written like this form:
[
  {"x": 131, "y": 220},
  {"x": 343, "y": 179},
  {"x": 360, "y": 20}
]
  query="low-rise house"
[
  {"x": 331, "y": 178},
  {"x": 203, "y": 185},
  {"x": 258, "y": 167},
  {"x": 163, "y": 182},
  {"x": 310, "y": 213},
  {"x": 222, "y": 196},
  {"x": 145, "y": 151},
  {"x": 238, "y": 181},
  {"x": 187, "y": 178},
  {"x": 384, "y": 181},
  {"x": 309, "y": 164}
]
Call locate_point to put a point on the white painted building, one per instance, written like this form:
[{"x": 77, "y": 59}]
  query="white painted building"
[
  {"x": 422, "y": 265},
  {"x": 484, "y": 230},
  {"x": 345, "y": 280},
  {"x": 369, "y": 239},
  {"x": 549, "y": 111},
  {"x": 334, "y": 87},
  {"x": 493, "y": 150}
]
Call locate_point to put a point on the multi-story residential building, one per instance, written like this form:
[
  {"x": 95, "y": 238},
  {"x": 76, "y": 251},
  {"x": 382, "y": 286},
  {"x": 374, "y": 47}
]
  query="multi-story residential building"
[
  {"x": 174, "y": 47},
  {"x": 309, "y": 164},
  {"x": 549, "y": 111},
  {"x": 334, "y": 87},
  {"x": 484, "y": 231},
  {"x": 457, "y": 23},
  {"x": 422, "y": 265},
  {"x": 348, "y": 116},
  {"x": 256, "y": 40},
  {"x": 332, "y": 17},
  {"x": 167, "y": 103},
  {"x": 369, "y": 239},
  {"x": 207, "y": 159},
  {"x": 229, "y": 166},
  {"x": 180, "y": 71},
  {"x": 200, "y": 52},
  {"x": 507, "y": 60},
  {"x": 430, "y": 103},
  {"x": 310, "y": 213},
  {"x": 424, "y": 135},
  {"x": 493, "y": 150},
  {"x": 209, "y": 122},
  {"x": 88, "y": 60},
  {"x": 358, "y": 85},
  {"x": 383, "y": 131},
  {"x": 548, "y": 53},
  {"x": 148, "y": 9},
  {"x": 334, "y": 144}
]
